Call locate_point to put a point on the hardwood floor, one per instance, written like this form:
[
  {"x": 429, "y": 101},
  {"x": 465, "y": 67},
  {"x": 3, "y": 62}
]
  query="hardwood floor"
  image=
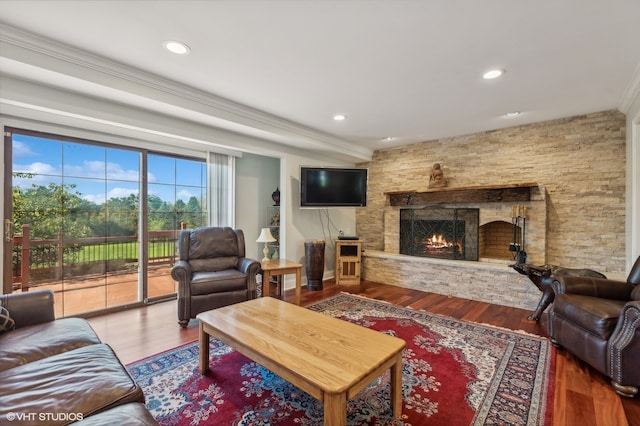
[{"x": 583, "y": 396}]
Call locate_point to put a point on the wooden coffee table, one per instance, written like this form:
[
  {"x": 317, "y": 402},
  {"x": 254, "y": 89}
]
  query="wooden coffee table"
[{"x": 330, "y": 359}]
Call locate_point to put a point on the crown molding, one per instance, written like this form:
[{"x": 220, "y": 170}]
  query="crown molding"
[
  {"x": 631, "y": 93},
  {"x": 47, "y": 54}
]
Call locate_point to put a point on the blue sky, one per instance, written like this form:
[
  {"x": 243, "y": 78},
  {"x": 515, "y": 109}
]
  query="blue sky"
[{"x": 100, "y": 173}]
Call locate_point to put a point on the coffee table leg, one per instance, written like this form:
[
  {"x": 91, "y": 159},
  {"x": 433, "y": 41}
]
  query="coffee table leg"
[
  {"x": 335, "y": 409},
  {"x": 396, "y": 386},
  {"x": 204, "y": 349}
]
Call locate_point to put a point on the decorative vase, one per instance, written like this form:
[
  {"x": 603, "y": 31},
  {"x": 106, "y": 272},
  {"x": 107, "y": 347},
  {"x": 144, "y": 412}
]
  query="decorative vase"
[
  {"x": 314, "y": 263},
  {"x": 275, "y": 196}
]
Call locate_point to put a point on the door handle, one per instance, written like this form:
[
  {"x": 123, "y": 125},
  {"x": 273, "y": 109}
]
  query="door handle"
[{"x": 8, "y": 230}]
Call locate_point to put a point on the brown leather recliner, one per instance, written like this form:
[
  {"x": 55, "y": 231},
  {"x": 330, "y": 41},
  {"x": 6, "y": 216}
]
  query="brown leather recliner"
[
  {"x": 212, "y": 271},
  {"x": 598, "y": 320}
]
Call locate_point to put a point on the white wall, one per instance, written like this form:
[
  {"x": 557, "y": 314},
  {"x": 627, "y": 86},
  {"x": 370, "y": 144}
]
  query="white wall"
[
  {"x": 256, "y": 178},
  {"x": 312, "y": 224},
  {"x": 633, "y": 182}
]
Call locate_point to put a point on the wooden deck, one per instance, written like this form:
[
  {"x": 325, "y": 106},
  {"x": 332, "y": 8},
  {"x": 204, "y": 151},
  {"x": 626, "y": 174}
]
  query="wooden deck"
[{"x": 90, "y": 294}]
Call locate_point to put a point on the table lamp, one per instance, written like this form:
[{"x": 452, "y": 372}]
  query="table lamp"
[{"x": 265, "y": 237}]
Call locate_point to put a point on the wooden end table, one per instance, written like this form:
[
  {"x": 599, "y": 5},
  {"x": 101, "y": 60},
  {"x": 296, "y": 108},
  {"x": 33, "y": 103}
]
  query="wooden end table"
[
  {"x": 280, "y": 267},
  {"x": 330, "y": 359}
]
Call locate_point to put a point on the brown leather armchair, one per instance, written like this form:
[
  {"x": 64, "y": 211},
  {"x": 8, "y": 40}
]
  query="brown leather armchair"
[
  {"x": 598, "y": 320},
  {"x": 212, "y": 271}
]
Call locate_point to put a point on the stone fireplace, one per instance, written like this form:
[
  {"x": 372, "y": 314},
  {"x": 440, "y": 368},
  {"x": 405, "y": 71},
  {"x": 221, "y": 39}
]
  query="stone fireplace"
[
  {"x": 486, "y": 238},
  {"x": 439, "y": 232},
  {"x": 490, "y": 278}
]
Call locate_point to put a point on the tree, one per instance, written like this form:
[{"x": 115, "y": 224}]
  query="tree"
[
  {"x": 48, "y": 210},
  {"x": 122, "y": 215}
]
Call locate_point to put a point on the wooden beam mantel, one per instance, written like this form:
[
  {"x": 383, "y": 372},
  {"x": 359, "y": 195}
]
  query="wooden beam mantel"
[{"x": 509, "y": 193}]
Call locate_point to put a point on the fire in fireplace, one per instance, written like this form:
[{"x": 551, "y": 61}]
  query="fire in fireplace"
[
  {"x": 439, "y": 232},
  {"x": 438, "y": 246}
]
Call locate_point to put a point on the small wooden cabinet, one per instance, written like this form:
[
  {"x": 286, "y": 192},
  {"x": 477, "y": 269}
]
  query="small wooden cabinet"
[{"x": 348, "y": 258}]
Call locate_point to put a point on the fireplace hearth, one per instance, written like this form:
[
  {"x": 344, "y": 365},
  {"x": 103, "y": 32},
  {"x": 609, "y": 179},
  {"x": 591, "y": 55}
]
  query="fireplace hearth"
[{"x": 439, "y": 232}]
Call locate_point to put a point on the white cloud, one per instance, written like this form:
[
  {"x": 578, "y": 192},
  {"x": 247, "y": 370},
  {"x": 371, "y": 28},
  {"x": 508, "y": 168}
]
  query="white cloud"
[
  {"x": 114, "y": 193},
  {"x": 184, "y": 195},
  {"x": 101, "y": 170},
  {"x": 37, "y": 167},
  {"x": 42, "y": 174},
  {"x": 21, "y": 149},
  {"x": 94, "y": 198},
  {"x": 121, "y": 192}
]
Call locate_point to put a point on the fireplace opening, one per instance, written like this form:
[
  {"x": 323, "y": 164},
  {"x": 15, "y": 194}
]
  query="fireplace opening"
[
  {"x": 439, "y": 232},
  {"x": 495, "y": 238}
]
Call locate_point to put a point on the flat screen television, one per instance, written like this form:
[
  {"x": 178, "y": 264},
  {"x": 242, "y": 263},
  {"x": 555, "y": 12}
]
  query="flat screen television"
[{"x": 333, "y": 187}]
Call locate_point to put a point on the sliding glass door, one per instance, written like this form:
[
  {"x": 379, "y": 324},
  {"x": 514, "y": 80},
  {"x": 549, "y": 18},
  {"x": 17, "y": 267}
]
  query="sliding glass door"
[
  {"x": 177, "y": 199},
  {"x": 78, "y": 225}
]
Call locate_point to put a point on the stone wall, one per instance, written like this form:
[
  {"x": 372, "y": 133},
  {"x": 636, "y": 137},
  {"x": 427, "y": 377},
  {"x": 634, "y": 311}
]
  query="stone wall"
[
  {"x": 580, "y": 161},
  {"x": 494, "y": 283}
]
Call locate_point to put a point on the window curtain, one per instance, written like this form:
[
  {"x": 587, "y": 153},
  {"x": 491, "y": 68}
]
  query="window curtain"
[{"x": 221, "y": 189}]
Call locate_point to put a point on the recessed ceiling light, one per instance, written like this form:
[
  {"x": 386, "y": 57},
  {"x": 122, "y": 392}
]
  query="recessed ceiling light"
[
  {"x": 177, "y": 47},
  {"x": 339, "y": 117},
  {"x": 513, "y": 114},
  {"x": 491, "y": 74},
  {"x": 387, "y": 139}
]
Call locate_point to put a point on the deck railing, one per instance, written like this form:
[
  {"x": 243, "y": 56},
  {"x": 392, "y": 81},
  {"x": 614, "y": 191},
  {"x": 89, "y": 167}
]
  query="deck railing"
[{"x": 36, "y": 262}]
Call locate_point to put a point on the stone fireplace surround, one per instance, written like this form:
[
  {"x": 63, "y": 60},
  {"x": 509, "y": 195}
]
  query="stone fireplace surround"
[{"x": 487, "y": 280}]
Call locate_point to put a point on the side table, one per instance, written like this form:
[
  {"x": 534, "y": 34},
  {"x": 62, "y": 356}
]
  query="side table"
[{"x": 279, "y": 267}]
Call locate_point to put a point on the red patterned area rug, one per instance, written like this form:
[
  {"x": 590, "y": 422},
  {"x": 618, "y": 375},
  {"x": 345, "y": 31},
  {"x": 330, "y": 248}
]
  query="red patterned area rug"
[{"x": 454, "y": 373}]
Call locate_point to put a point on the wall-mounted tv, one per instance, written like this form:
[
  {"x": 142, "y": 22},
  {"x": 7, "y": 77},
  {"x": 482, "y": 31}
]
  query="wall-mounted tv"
[{"x": 333, "y": 187}]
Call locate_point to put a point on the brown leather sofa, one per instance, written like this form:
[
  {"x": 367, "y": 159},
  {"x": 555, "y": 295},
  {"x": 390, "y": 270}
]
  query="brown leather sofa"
[
  {"x": 212, "y": 271},
  {"x": 58, "y": 372},
  {"x": 598, "y": 320}
]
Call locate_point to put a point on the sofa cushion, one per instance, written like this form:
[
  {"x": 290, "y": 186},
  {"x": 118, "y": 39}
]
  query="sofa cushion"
[
  {"x": 635, "y": 293},
  {"x": 218, "y": 282},
  {"x": 134, "y": 413},
  {"x": 39, "y": 341},
  {"x": 634, "y": 274},
  {"x": 83, "y": 381},
  {"x": 596, "y": 315},
  {"x": 214, "y": 263},
  {"x": 6, "y": 322},
  {"x": 205, "y": 243},
  {"x": 29, "y": 307}
]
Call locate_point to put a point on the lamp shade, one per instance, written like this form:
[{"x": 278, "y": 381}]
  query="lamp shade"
[{"x": 265, "y": 236}]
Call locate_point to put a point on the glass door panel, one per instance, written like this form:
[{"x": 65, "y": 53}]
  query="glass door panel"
[
  {"x": 76, "y": 211},
  {"x": 72, "y": 208},
  {"x": 175, "y": 201}
]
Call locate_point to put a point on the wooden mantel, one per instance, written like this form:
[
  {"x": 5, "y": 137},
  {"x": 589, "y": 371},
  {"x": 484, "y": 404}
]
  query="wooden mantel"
[{"x": 508, "y": 193}]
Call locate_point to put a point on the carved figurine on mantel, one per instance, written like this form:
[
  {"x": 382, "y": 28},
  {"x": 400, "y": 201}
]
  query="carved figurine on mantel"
[{"x": 436, "y": 179}]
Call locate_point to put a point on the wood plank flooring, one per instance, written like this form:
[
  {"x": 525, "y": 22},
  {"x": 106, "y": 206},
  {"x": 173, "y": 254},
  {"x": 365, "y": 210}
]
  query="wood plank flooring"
[{"x": 583, "y": 397}]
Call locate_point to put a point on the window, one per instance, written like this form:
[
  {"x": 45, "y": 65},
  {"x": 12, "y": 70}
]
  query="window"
[{"x": 80, "y": 224}]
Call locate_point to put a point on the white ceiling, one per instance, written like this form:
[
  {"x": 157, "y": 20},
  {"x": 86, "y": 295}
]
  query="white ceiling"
[{"x": 410, "y": 69}]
